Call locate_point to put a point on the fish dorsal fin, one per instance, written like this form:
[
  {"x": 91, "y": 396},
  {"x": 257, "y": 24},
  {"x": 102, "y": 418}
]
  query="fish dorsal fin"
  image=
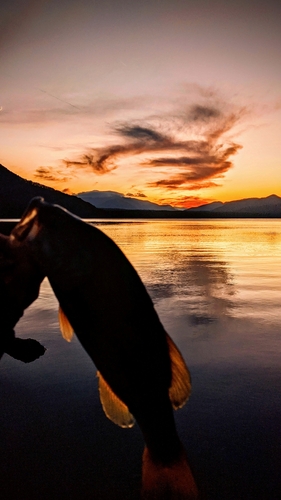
[
  {"x": 65, "y": 327},
  {"x": 113, "y": 407},
  {"x": 180, "y": 388}
]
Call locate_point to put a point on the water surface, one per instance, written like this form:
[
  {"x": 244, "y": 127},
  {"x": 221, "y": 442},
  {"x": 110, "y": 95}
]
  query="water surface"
[{"x": 216, "y": 285}]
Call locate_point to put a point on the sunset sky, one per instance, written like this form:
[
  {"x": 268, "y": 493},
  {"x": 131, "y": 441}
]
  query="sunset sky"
[{"x": 173, "y": 101}]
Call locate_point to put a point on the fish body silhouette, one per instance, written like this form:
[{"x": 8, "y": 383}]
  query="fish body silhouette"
[
  {"x": 142, "y": 375},
  {"x": 17, "y": 292}
]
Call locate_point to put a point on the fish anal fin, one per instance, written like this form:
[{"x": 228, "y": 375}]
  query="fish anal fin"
[
  {"x": 180, "y": 388},
  {"x": 113, "y": 407},
  {"x": 65, "y": 327}
]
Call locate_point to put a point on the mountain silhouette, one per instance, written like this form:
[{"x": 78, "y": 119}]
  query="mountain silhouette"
[
  {"x": 16, "y": 193},
  {"x": 263, "y": 207},
  {"x": 115, "y": 200}
]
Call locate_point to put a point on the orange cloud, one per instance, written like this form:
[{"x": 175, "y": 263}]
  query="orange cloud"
[
  {"x": 185, "y": 201},
  {"x": 47, "y": 174},
  {"x": 168, "y": 141}
]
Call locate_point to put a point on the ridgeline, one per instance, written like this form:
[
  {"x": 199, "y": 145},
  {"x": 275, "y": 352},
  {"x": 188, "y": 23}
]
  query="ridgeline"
[{"x": 16, "y": 193}]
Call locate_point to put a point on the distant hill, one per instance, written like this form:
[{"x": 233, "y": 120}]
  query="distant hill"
[
  {"x": 115, "y": 200},
  {"x": 248, "y": 207},
  {"x": 251, "y": 207},
  {"x": 206, "y": 208},
  {"x": 16, "y": 192}
]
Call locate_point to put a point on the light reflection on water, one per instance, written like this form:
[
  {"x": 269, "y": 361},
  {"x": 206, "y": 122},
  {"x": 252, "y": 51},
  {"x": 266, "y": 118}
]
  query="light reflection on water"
[
  {"x": 216, "y": 286},
  {"x": 211, "y": 281}
]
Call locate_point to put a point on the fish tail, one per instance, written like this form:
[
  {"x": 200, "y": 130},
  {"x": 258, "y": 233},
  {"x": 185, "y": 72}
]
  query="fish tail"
[{"x": 167, "y": 482}]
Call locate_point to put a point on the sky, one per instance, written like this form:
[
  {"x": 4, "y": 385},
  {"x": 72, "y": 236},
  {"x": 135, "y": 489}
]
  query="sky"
[{"x": 172, "y": 101}]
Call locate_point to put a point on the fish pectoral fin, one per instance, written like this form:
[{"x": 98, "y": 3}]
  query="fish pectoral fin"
[
  {"x": 180, "y": 388},
  {"x": 65, "y": 327},
  {"x": 113, "y": 407}
]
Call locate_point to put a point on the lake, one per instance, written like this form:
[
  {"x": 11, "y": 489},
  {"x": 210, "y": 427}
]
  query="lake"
[{"x": 216, "y": 285}]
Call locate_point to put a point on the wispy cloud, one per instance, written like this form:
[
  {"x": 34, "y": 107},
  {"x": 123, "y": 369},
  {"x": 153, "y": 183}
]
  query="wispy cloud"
[
  {"x": 192, "y": 147},
  {"x": 137, "y": 194},
  {"x": 98, "y": 161},
  {"x": 49, "y": 174},
  {"x": 44, "y": 110},
  {"x": 185, "y": 201},
  {"x": 187, "y": 145}
]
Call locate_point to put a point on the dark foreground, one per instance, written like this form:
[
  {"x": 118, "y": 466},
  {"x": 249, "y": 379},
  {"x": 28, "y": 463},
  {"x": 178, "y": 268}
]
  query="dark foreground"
[{"x": 57, "y": 443}]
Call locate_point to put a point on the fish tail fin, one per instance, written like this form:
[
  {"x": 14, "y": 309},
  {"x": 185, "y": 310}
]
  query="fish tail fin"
[{"x": 162, "y": 482}]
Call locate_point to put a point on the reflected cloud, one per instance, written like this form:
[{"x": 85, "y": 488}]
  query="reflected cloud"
[
  {"x": 204, "y": 286},
  {"x": 196, "y": 319}
]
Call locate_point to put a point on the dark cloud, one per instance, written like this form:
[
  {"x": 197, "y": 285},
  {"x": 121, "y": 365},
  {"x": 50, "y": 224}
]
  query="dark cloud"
[
  {"x": 140, "y": 195},
  {"x": 203, "y": 113},
  {"x": 140, "y": 134},
  {"x": 181, "y": 180},
  {"x": 136, "y": 195},
  {"x": 47, "y": 174},
  {"x": 139, "y": 140},
  {"x": 67, "y": 191},
  {"x": 181, "y": 161},
  {"x": 97, "y": 161},
  {"x": 198, "y": 169},
  {"x": 190, "y": 144}
]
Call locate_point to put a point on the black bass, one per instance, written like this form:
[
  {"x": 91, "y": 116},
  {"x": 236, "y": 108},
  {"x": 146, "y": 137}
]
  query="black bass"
[{"x": 142, "y": 375}]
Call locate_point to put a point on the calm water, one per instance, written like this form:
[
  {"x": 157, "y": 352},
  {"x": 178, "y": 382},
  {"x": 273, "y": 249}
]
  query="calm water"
[{"x": 217, "y": 287}]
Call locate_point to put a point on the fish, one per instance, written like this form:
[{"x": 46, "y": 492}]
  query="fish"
[
  {"x": 142, "y": 375},
  {"x": 13, "y": 302}
]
